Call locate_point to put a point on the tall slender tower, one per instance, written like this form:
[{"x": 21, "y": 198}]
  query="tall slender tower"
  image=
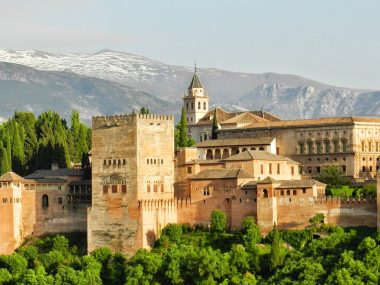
[{"x": 196, "y": 100}]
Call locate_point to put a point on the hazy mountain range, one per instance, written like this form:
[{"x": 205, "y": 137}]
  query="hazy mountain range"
[{"x": 109, "y": 82}]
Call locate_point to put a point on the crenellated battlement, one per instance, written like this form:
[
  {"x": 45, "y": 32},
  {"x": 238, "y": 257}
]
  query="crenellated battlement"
[
  {"x": 345, "y": 201},
  {"x": 154, "y": 204},
  {"x": 120, "y": 120}
]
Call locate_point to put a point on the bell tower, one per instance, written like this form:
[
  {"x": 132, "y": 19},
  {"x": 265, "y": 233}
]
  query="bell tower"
[{"x": 196, "y": 100}]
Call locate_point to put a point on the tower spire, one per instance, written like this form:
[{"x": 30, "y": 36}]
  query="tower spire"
[{"x": 195, "y": 67}]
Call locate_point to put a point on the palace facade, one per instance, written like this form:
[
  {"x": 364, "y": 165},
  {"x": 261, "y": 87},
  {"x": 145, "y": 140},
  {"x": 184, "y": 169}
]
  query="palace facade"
[{"x": 258, "y": 166}]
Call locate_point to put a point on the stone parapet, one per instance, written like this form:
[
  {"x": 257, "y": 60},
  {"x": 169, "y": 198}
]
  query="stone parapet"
[{"x": 120, "y": 120}]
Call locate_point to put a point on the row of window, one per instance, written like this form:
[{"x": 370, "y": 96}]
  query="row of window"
[
  {"x": 327, "y": 159},
  {"x": 114, "y": 162},
  {"x": 322, "y": 147},
  {"x": 199, "y": 106},
  {"x": 11, "y": 200},
  {"x": 154, "y": 161},
  {"x": 326, "y": 133},
  {"x": 291, "y": 192},
  {"x": 278, "y": 169},
  {"x": 156, "y": 186},
  {"x": 114, "y": 189},
  {"x": 43, "y": 187},
  {"x": 370, "y": 147},
  {"x": 219, "y": 154},
  {"x": 317, "y": 169}
]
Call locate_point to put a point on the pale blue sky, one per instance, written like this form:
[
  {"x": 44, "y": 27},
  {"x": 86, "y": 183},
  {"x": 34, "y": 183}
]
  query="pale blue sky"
[{"x": 333, "y": 41}]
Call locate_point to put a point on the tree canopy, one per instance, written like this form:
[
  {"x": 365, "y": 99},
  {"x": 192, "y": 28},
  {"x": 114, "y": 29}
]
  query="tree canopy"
[{"x": 28, "y": 143}]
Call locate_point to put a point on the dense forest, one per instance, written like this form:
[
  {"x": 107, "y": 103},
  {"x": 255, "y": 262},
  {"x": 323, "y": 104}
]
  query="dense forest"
[
  {"x": 28, "y": 143},
  {"x": 320, "y": 254}
]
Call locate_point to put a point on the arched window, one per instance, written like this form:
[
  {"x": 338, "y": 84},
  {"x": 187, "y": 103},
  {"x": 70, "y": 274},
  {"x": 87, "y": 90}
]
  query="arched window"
[
  {"x": 199, "y": 105},
  {"x": 148, "y": 186},
  {"x": 187, "y": 106},
  {"x": 225, "y": 153},
  {"x": 209, "y": 154},
  {"x": 287, "y": 192},
  {"x": 261, "y": 148},
  {"x": 109, "y": 162},
  {"x": 218, "y": 154},
  {"x": 204, "y": 105},
  {"x": 114, "y": 162},
  {"x": 265, "y": 192},
  {"x": 45, "y": 201},
  {"x": 119, "y": 162}
]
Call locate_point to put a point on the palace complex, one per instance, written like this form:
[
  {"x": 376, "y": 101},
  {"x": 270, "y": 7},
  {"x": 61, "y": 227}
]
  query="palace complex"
[{"x": 259, "y": 165}]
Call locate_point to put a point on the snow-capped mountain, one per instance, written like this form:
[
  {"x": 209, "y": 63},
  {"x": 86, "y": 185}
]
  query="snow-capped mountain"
[
  {"x": 288, "y": 96},
  {"x": 24, "y": 88}
]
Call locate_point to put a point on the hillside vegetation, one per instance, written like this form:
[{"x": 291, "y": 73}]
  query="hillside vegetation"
[{"x": 185, "y": 255}]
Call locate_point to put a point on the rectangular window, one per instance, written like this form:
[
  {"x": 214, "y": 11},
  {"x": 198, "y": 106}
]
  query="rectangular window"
[
  {"x": 309, "y": 147},
  {"x": 60, "y": 200},
  {"x": 302, "y": 146},
  {"x": 369, "y": 146},
  {"x": 189, "y": 170},
  {"x": 327, "y": 147},
  {"x": 377, "y": 146},
  {"x": 262, "y": 169},
  {"x": 318, "y": 147},
  {"x": 105, "y": 189},
  {"x": 278, "y": 168},
  {"x": 344, "y": 146},
  {"x": 5, "y": 200},
  {"x": 344, "y": 169},
  {"x": 292, "y": 170},
  {"x": 336, "y": 147},
  {"x": 282, "y": 192},
  {"x": 318, "y": 169},
  {"x": 114, "y": 188},
  {"x": 304, "y": 190},
  {"x": 270, "y": 168},
  {"x": 123, "y": 188},
  {"x": 363, "y": 146}
]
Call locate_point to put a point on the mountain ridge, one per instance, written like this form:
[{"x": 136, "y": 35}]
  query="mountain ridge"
[{"x": 286, "y": 95}]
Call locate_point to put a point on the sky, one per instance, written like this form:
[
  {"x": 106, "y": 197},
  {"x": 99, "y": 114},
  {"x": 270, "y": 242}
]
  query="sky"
[{"x": 332, "y": 41}]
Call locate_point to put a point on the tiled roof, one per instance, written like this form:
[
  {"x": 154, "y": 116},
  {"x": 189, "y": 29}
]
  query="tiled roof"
[
  {"x": 45, "y": 180},
  {"x": 286, "y": 184},
  {"x": 236, "y": 142},
  {"x": 223, "y": 116},
  {"x": 10, "y": 177},
  {"x": 314, "y": 122},
  {"x": 245, "y": 117},
  {"x": 258, "y": 155},
  {"x": 39, "y": 174},
  {"x": 80, "y": 182},
  {"x": 268, "y": 180},
  {"x": 221, "y": 174},
  {"x": 195, "y": 82}
]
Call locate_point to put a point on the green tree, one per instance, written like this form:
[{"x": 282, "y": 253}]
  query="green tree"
[
  {"x": 173, "y": 232},
  {"x": 275, "y": 258},
  {"x": 215, "y": 127},
  {"x": 218, "y": 221},
  {"x": 183, "y": 138},
  {"x": 144, "y": 111},
  {"x": 18, "y": 158},
  {"x": 317, "y": 220},
  {"x": 250, "y": 232},
  {"x": 4, "y": 166},
  {"x": 332, "y": 176}
]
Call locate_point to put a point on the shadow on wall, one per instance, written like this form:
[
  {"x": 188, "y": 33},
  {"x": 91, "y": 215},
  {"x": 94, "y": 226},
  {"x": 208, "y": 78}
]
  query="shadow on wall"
[{"x": 151, "y": 238}]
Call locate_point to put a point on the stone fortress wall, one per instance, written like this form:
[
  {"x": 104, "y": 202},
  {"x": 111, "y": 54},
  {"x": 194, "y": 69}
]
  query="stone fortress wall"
[{"x": 132, "y": 178}]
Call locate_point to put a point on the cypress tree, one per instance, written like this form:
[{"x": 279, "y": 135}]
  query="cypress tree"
[
  {"x": 215, "y": 127},
  {"x": 182, "y": 142},
  {"x": 4, "y": 166},
  {"x": 275, "y": 250},
  {"x": 18, "y": 157}
]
